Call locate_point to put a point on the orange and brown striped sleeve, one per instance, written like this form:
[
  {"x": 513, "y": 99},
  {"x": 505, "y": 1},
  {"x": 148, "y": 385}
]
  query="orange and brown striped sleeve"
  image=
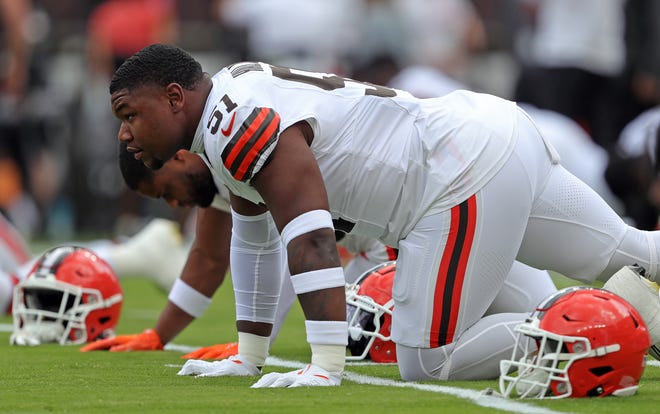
[{"x": 251, "y": 143}]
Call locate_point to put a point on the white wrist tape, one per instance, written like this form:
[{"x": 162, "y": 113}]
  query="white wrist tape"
[
  {"x": 327, "y": 332},
  {"x": 188, "y": 299},
  {"x": 306, "y": 222},
  {"x": 253, "y": 348},
  {"x": 331, "y": 358},
  {"x": 328, "y": 340},
  {"x": 318, "y": 279}
]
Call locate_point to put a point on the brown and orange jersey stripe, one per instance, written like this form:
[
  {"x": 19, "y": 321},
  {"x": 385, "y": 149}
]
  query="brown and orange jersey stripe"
[{"x": 248, "y": 145}]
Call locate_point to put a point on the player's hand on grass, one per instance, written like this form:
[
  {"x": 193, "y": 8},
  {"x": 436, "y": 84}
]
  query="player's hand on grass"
[
  {"x": 233, "y": 366},
  {"x": 145, "y": 341},
  {"x": 219, "y": 351},
  {"x": 23, "y": 339},
  {"x": 310, "y": 376}
]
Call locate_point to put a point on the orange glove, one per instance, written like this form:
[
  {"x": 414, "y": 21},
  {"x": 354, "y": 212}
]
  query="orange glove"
[
  {"x": 145, "y": 341},
  {"x": 220, "y": 351}
]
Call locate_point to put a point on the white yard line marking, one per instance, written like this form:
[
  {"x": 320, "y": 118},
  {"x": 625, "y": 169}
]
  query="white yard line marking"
[
  {"x": 476, "y": 397},
  {"x": 181, "y": 348}
]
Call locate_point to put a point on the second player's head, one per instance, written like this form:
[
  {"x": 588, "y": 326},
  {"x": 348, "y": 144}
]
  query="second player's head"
[{"x": 184, "y": 180}]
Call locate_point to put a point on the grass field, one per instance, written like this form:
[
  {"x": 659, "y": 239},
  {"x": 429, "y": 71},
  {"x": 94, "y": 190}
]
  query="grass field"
[{"x": 54, "y": 379}]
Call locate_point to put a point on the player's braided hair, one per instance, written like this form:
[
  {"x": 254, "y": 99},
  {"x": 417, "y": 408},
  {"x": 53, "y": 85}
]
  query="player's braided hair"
[
  {"x": 133, "y": 171},
  {"x": 157, "y": 64}
]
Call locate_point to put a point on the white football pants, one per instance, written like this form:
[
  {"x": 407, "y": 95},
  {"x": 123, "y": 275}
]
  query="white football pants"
[{"x": 452, "y": 266}]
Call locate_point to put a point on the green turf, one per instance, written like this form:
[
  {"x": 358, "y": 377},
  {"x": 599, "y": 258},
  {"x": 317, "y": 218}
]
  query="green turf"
[{"x": 51, "y": 378}]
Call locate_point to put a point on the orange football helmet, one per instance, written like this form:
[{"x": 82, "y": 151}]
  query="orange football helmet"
[
  {"x": 369, "y": 307},
  {"x": 71, "y": 296},
  {"x": 580, "y": 342}
]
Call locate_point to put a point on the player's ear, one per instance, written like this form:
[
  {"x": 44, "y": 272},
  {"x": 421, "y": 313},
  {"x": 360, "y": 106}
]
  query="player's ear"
[
  {"x": 175, "y": 96},
  {"x": 180, "y": 155},
  {"x": 186, "y": 157}
]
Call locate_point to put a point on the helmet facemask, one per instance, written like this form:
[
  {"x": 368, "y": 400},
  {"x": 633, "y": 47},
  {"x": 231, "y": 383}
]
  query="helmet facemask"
[
  {"x": 369, "y": 307},
  {"x": 57, "y": 311},
  {"x": 580, "y": 342},
  {"x": 70, "y": 297},
  {"x": 365, "y": 318},
  {"x": 543, "y": 372}
]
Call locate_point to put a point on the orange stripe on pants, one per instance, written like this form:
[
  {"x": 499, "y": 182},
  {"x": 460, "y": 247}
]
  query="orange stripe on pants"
[{"x": 451, "y": 274}]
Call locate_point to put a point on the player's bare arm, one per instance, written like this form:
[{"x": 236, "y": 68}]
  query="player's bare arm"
[{"x": 291, "y": 184}]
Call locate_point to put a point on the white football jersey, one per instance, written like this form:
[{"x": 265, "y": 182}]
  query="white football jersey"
[{"x": 386, "y": 157}]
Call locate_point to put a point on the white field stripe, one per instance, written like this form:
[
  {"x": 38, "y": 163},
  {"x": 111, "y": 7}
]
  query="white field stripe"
[
  {"x": 476, "y": 397},
  {"x": 180, "y": 348},
  {"x": 6, "y": 327}
]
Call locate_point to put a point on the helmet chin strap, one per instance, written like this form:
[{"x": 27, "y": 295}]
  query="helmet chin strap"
[
  {"x": 113, "y": 300},
  {"x": 355, "y": 332},
  {"x": 604, "y": 350},
  {"x": 45, "y": 332},
  {"x": 533, "y": 384}
]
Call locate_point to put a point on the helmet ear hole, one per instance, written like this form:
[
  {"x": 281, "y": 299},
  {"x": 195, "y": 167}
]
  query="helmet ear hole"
[{"x": 600, "y": 371}]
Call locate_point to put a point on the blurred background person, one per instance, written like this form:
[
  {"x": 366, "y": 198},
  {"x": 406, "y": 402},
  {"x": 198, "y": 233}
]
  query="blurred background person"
[
  {"x": 14, "y": 83},
  {"x": 573, "y": 57},
  {"x": 58, "y": 174},
  {"x": 643, "y": 54},
  {"x": 633, "y": 171},
  {"x": 307, "y": 34},
  {"x": 116, "y": 29},
  {"x": 443, "y": 34}
]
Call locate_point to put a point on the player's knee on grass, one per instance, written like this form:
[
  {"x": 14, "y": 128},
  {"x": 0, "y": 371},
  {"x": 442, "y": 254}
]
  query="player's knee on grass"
[{"x": 421, "y": 364}]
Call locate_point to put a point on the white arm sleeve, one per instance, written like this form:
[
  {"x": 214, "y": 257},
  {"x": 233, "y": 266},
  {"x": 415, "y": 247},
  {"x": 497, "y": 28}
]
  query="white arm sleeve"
[{"x": 256, "y": 266}]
